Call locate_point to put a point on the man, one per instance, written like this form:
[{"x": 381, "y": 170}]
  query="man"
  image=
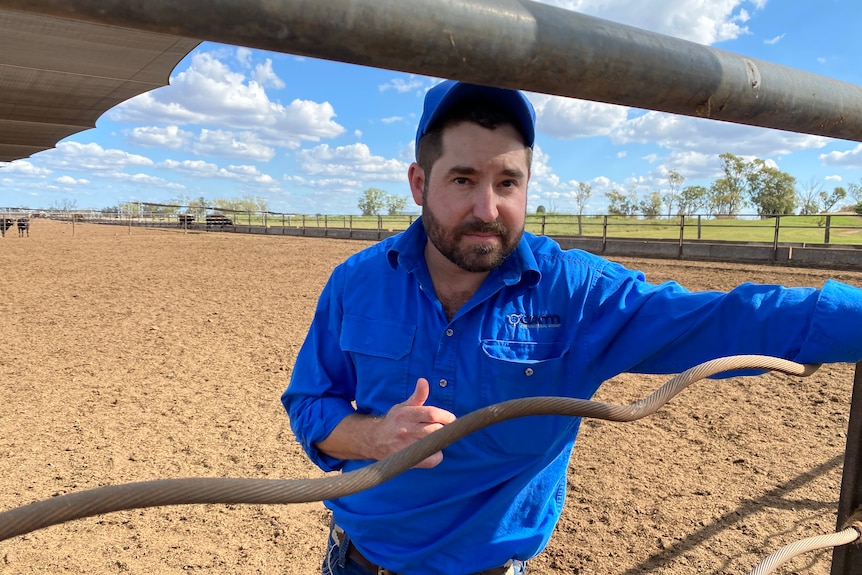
[{"x": 464, "y": 309}]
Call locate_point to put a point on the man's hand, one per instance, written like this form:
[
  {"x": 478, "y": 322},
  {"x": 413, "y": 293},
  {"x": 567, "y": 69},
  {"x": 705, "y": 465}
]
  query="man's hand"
[
  {"x": 364, "y": 437},
  {"x": 412, "y": 420}
]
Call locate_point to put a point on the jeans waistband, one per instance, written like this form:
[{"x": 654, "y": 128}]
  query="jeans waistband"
[{"x": 339, "y": 537}]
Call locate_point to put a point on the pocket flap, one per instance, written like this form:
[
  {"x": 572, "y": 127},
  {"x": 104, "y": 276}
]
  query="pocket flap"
[{"x": 380, "y": 338}]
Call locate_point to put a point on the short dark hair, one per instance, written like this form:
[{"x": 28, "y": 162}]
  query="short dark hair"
[{"x": 476, "y": 111}]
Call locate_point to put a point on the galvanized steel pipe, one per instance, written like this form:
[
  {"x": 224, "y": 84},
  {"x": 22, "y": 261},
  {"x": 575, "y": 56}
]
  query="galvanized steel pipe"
[{"x": 508, "y": 43}]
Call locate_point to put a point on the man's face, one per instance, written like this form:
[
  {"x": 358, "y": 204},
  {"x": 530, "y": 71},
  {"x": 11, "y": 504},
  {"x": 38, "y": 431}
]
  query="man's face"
[{"x": 474, "y": 202}]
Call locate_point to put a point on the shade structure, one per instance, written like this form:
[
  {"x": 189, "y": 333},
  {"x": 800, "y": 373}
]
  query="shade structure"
[
  {"x": 57, "y": 76},
  {"x": 507, "y": 43}
]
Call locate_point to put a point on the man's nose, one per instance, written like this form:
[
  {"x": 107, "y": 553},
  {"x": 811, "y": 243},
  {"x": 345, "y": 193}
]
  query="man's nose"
[{"x": 485, "y": 203}]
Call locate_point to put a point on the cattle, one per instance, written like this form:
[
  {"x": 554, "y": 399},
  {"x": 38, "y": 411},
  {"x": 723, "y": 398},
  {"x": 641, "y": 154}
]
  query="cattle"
[
  {"x": 218, "y": 221},
  {"x": 23, "y": 227},
  {"x": 185, "y": 220},
  {"x": 5, "y": 224}
]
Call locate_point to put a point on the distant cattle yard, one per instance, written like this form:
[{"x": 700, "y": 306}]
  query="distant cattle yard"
[{"x": 830, "y": 241}]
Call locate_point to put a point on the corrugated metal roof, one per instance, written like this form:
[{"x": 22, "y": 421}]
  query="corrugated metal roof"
[{"x": 57, "y": 77}]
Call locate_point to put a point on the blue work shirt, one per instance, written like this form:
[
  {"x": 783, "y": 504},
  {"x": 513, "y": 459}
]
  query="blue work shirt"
[{"x": 546, "y": 322}]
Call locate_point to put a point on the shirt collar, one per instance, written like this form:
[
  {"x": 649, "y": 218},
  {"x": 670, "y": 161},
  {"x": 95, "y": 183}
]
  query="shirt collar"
[{"x": 408, "y": 250}]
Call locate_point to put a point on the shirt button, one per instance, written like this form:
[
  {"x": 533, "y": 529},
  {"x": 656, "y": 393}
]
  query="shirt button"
[
  {"x": 442, "y": 383},
  {"x": 450, "y": 331},
  {"x": 528, "y": 372}
]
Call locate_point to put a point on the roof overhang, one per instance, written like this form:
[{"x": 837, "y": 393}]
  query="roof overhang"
[{"x": 57, "y": 77}]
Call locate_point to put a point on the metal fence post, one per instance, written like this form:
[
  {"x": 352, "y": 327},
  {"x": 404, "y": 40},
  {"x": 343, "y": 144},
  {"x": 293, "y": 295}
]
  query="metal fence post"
[
  {"x": 775, "y": 238},
  {"x": 604, "y": 233},
  {"x": 847, "y": 559},
  {"x": 826, "y": 231}
]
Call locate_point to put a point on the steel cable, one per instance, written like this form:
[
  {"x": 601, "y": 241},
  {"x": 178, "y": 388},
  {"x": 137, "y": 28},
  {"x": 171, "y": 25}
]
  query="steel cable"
[
  {"x": 56, "y": 510},
  {"x": 791, "y": 550}
]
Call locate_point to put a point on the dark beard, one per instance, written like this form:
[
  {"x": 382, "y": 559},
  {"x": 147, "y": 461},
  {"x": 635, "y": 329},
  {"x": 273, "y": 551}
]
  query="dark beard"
[{"x": 472, "y": 259}]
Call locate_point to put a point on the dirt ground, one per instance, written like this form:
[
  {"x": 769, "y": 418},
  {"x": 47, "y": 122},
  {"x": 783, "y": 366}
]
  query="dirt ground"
[{"x": 131, "y": 355}]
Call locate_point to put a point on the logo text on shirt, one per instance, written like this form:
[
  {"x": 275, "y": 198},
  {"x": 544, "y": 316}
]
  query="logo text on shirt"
[{"x": 525, "y": 320}]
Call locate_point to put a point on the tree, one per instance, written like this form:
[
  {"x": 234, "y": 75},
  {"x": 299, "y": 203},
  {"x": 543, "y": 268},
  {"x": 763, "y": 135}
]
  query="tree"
[
  {"x": 372, "y": 201},
  {"x": 672, "y": 196},
  {"x": 770, "y": 190},
  {"x": 650, "y": 206},
  {"x": 540, "y": 210},
  {"x": 582, "y": 195},
  {"x": 829, "y": 201},
  {"x": 855, "y": 190},
  {"x": 726, "y": 194},
  {"x": 246, "y": 203},
  {"x": 721, "y": 198},
  {"x": 64, "y": 205},
  {"x": 622, "y": 203},
  {"x": 395, "y": 204},
  {"x": 808, "y": 197},
  {"x": 693, "y": 199}
]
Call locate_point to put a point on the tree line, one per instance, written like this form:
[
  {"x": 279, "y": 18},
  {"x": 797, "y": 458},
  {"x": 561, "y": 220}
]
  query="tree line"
[
  {"x": 189, "y": 205},
  {"x": 744, "y": 183}
]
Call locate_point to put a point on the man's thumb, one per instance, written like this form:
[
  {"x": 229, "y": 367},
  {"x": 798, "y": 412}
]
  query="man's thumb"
[{"x": 420, "y": 394}]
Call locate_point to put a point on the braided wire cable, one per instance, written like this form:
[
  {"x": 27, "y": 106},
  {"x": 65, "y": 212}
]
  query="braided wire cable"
[
  {"x": 791, "y": 550},
  {"x": 56, "y": 510}
]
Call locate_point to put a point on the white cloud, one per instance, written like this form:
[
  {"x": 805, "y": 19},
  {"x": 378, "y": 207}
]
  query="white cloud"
[
  {"x": 170, "y": 137},
  {"x": 691, "y": 164},
  {"x": 353, "y": 160},
  {"x": 75, "y": 156},
  {"x": 712, "y": 137},
  {"x": 568, "y": 118},
  {"x": 202, "y": 169},
  {"x": 776, "y": 40},
  {"x": 850, "y": 158},
  {"x": 410, "y": 84},
  {"x": 70, "y": 181},
  {"x": 227, "y": 144},
  {"x": 265, "y": 76},
  {"x": 22, "y": 168},
  {"x": 209, "y": 94},
  {"x": 243, "y": 56},
  {"x": 392, "y": 119},
  {"x": 198, "y": 168},
  {"x": 701, "y": 21},
  {"x": 833, "y": 178},
  {"x": 148, "y": 181}
]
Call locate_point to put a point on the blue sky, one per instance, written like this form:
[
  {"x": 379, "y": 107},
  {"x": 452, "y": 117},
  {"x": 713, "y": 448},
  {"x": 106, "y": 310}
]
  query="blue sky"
[{"x": 309, "y": 136}]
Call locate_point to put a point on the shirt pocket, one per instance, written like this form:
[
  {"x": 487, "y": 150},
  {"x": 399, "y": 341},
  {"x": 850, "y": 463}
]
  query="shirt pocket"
[
  {"x": 517, "y": 369},
  {"x": 380, "y": 352}
]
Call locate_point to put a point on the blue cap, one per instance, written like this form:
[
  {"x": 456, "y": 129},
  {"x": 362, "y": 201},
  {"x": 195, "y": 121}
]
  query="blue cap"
[{"x": 445, "y": 95}]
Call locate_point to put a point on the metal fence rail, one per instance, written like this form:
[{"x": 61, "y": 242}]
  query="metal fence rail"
[
  {"x": 507, "y": 43},
  {"x": 827, "y": 241}
]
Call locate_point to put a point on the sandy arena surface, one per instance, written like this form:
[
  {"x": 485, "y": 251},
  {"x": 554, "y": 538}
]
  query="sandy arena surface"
[{"x": 131, "y": 355}]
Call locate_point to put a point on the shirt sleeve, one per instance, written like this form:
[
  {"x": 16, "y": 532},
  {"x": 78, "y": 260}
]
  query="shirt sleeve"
[
  {"x": 321, "y": 388},
  {"x": 648, "y": 328}
]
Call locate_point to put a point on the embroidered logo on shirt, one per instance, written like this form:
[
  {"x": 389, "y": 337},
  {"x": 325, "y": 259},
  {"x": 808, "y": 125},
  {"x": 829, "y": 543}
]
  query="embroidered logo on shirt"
[{"x": 524, "y": 320}]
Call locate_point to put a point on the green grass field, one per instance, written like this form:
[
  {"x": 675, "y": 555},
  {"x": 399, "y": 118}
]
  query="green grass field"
[{"x": 836, "y": 229}]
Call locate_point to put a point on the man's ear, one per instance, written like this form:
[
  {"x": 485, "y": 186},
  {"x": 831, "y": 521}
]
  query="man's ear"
[{"x": 416, "y": 177}]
